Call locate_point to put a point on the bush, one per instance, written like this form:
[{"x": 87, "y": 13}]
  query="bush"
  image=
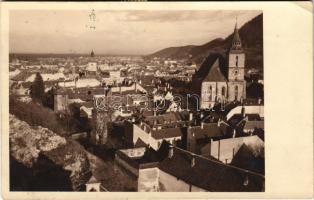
[{"x": 36, "y": 115}]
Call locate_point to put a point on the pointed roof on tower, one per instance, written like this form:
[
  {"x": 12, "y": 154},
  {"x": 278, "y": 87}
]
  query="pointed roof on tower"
[
  {"x": 236, "y": 44},
  {"x": 92, "y": 54}
]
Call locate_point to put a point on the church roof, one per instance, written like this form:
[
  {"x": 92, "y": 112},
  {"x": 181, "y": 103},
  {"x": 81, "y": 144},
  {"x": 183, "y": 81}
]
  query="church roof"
[
  {"x": 215, "y": 73},
  {"x": 216, "y": 61}
]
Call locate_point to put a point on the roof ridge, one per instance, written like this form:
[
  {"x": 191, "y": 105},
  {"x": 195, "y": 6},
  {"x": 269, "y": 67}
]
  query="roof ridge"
[{"x": 230, "y": 166}]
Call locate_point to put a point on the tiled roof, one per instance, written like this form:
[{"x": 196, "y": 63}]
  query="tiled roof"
[
  {"x": 254, "y": 124},
  {"x": 209, "y": 130},
  {"x": 140, "y": 143},
  {"x": 215, "y": 74},
  {"x": 161, "y": 119},
  {"x": 167, "y": 133},
  {"x": 210, "y": 174},
  {"x": 215, "y": 60},
  {"x": 246, "y": 159}
]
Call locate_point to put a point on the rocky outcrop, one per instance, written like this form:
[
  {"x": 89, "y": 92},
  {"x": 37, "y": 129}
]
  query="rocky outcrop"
[{"x": 29, "y": 145}]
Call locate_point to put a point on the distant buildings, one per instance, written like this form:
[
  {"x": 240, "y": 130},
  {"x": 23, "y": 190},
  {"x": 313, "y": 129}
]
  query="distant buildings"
[{"x": 165, "y": 148}]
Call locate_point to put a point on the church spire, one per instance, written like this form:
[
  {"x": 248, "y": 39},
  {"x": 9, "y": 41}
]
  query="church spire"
[
  {"x": 236, "y": 41},
  {"x": 92, "y": 54}
]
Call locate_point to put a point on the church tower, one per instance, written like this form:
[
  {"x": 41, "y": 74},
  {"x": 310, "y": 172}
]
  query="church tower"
[
  {"x": 101, "y": 116},
  {"x": 236, "y": 64},
  {"x": 236, "y": 58}
]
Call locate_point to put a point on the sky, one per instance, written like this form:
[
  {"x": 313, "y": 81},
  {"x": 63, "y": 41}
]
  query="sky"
[{"x": 117, "y": 32}]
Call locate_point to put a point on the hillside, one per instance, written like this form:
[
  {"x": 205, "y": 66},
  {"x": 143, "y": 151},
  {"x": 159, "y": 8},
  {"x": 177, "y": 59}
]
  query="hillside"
[
  {"x": 175, "y": 52},
  {"x": 41, "y": 160},
  {"x": 251, "y": 34}
]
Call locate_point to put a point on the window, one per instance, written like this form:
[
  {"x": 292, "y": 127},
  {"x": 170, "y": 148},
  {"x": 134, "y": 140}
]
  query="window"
[
  {"x": 223, "y": 91},
  {"x": 236, "y": 89},
  {"x": 237, "y": 59},
  {"x": 210, "y": 93}
]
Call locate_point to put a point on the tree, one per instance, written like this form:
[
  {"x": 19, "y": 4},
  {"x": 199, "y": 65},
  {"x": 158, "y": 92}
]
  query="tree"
[
  {"x": 37, "y": 89},
  {"x": 255, "y": 90}
]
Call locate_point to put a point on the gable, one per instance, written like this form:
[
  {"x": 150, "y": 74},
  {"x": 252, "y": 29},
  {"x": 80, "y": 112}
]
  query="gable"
[
  {"x": 215, "y": 74},
  {"x": 214, "y": 60}
]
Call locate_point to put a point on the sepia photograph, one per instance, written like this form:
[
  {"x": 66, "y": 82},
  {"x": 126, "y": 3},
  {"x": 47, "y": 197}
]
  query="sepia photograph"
[
  {"x": 156, "y": 100},
  {"x": 136, "y": 101}
]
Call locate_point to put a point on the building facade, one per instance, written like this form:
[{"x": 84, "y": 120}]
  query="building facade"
[{"x": 224, "y": 81}]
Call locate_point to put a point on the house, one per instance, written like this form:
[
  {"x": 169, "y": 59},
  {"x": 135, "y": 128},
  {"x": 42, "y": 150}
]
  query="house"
[
  {"x": 92, "y": 185},
  {"x": 246, "y": 109},
  {"x": 225, "y": 149},
  {"x": 172, "y": 169},
  {"x": 199, "y": 136},
  {"x": 47, "y": 77},
  {"x": 154, "y": 135},
  {"x": 86, "y": 109},
  {"x": 80, "y": 83}
]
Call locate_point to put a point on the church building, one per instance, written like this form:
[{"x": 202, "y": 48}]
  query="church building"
[{"x": 221, "y": 79}]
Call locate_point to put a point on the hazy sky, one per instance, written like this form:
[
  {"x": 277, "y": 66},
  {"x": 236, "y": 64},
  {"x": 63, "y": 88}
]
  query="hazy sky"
[{"x": 118, "y": 32}]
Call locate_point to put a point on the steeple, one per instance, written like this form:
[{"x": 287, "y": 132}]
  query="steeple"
[
  {"x": 236, "y": 41},
  {"x": 92, "y": 54}
]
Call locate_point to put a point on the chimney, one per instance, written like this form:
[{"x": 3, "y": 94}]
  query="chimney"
[
  {"x": 193, "y": 160},
  {"x": 234, "y": 133},
  {"x": 191, "y": 117},
  {"x": 202, "y": 125},
  {"x": 219, "y": 122},
  {"x": 170, "y": 152}
]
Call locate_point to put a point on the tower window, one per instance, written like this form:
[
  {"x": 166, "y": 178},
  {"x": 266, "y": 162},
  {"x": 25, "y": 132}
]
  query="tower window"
[
  {"x": 210, "y": 93},
  {"x": 237, "y": 60},
  {"x": 223, "y": 91},
  {"x": 236, "y": 89}
]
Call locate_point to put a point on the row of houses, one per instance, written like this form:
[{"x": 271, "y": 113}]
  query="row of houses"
[{"x": 174, "y": 169}]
